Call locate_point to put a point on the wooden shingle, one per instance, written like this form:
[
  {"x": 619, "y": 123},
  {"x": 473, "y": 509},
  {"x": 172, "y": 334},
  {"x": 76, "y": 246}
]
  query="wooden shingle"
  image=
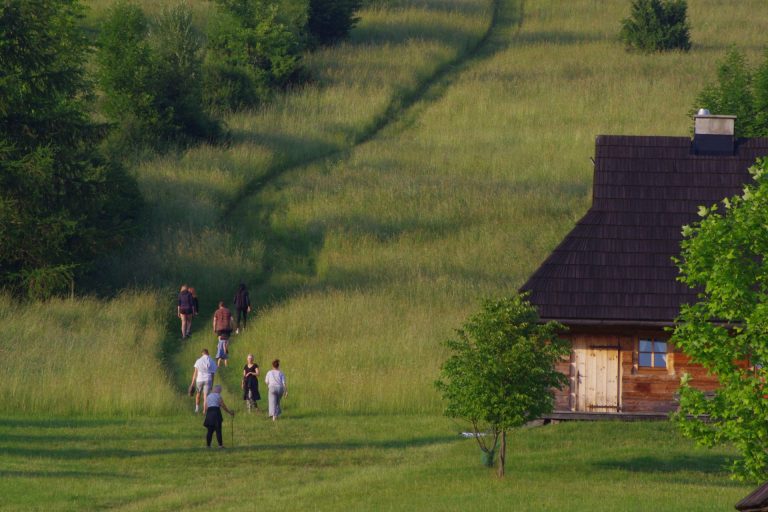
[{"x": 615, "y": 265}]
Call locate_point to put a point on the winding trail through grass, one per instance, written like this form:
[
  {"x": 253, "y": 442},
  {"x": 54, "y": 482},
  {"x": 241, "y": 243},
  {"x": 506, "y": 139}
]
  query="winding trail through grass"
[
  {"x": 504, "y": 13},
  {"x": 296, "y": 252}
]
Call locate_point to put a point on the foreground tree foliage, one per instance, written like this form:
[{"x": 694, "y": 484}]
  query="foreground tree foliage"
[
  {"x": 61, "y": 204},
  {"x": 725, "y": 254},
  {"x": 656, "y": 26},
  {"x": 739, "y": 91},
  {"x": 502, "y": 371}
]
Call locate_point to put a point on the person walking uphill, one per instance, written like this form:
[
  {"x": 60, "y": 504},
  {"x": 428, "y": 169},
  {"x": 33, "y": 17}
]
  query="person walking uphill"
[
  {"x": 243, "y": 305},
  {"x": 184, "y": 310},
  {"x": 202, "y": 377},
  {"x": 222, "y": 321},
  {"x": 275, "y": 381},
  {"x": 250, "y": 384},
  {"x": 213, "y": 419}
]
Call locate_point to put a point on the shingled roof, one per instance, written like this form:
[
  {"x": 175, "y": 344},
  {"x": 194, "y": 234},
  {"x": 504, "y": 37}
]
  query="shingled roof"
[{"x": 615, "y": 265}]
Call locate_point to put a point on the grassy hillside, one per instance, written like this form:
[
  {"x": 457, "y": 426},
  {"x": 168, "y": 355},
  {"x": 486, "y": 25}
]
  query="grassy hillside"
[
  {"x": 371, "y": 209},
  {"x": 373, "y": 259},
  {"x": 359, "y": 86},
  {"x": 437, "y": 159},
  {"x": 84, "y": 356}
]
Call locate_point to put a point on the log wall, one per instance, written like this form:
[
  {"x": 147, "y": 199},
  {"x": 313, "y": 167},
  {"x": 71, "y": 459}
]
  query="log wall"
[{"x": 641, "y": 389}]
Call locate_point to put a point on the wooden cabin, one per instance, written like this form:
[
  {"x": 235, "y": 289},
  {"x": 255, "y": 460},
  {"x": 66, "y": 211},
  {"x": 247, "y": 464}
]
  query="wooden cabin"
[{"x": 612, "y": 281}]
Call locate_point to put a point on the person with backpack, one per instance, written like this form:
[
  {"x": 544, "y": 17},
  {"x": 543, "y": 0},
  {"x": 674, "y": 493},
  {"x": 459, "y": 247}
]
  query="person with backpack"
[
  {"x": 243, "y": 305},
  {"x": 184, "y": 310}
]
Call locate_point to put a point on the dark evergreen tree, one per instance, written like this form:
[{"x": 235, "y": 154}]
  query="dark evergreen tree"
[
  {"x": 331, "y": 21},
  {"x": 657, "y": 26},
  {"x": 61, "y": 204}
]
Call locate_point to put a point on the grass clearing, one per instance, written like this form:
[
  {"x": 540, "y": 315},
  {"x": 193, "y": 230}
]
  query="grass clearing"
[{"x": 350, "y": 462}]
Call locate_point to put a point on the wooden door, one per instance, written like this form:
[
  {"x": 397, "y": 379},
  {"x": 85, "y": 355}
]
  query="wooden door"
[{"x": 595, "y": 377}]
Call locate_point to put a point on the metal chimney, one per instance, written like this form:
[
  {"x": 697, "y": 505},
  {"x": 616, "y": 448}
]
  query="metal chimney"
[{"x": 713, "y": 135}]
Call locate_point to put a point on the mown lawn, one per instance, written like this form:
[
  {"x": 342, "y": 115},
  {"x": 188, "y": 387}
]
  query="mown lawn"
[{"x": 319, "y": 462}]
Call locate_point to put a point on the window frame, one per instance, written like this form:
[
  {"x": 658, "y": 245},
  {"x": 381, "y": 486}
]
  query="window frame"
[{"x": 653, "y": 339}]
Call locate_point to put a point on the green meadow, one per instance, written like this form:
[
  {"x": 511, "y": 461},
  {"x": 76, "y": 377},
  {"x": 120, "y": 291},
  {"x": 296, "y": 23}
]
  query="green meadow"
[
  {"x": 337, "y": 462},
  {"x": 435, "y": 159}
]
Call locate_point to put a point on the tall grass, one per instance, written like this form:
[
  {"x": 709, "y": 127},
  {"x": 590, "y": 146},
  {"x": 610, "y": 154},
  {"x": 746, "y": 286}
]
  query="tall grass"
[
  {"x": 192, "y": 236},
  {"x": 376, "y": 258},
  {"x": 404, "y": 215},
  {"x": 86, "y": 356}
]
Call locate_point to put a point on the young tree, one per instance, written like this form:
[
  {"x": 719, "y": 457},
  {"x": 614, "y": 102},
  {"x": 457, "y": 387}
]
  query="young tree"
[
  {"x": 61, "y": 204},
  {"x": 151, "y": 76},
  {"x": 502, "y": 371},
  {"x": 732, "y": 94},
  {"x": 725, "y": 255},
  {"x": 251, "y": 53},
  {"x": 331, "y": 21},
  {"x": 656, "y": 26}
]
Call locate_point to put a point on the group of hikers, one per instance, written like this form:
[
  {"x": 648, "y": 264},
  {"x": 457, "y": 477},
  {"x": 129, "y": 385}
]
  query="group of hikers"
[
  {"x": 189, "y": 307},
  {"x": 205, "y": 366}
]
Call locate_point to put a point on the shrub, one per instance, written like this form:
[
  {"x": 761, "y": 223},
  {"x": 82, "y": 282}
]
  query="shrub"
[
  {"x": 739, "y": 91},
  {"x": 330, "y": 21},
  {"x": 251, "y": 53},
  {"x": 151, "y": 78},
  {"x": 657, "y": 26}
]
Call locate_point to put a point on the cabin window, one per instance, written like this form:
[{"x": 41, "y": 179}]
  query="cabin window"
[{"x": 652, "y": 353}]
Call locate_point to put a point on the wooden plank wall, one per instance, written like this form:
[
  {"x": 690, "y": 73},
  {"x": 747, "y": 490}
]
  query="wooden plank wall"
[{"x": 642, "y": 389}]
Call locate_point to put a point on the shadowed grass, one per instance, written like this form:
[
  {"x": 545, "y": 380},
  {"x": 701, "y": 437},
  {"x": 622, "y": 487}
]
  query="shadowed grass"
[{"x": 324, "y": 463}]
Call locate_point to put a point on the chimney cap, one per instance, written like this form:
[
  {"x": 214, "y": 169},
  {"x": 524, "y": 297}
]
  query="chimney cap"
[{"x": 713, "y": 135}]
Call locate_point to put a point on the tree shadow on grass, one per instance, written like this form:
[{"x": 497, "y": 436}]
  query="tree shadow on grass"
[
  {"x": 346, "y": 446},
  {"x": 61, "y": 474},
  {"x": 558, "y": 37},
  {"x": 706, "y": 464},
  {"x": 60, "y": 422}
]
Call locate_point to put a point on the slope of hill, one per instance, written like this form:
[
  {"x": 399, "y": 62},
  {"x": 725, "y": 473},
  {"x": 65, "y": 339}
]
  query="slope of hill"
[
  {"x": 359, "y": 86},
  {"x": 371, "y": 260},
  {"x": 369, "y": 211}
]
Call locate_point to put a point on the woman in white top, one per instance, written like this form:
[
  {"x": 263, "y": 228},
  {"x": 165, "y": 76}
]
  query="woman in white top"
[{"x": 275, "y": 381}]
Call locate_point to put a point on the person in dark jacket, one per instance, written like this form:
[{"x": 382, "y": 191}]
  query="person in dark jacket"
[
  {"x": 213, "y": 418},
  {"x": 243, "y": 305},
  {"x": 195, "y": 302},
  {"x": 185, "y": 309}
]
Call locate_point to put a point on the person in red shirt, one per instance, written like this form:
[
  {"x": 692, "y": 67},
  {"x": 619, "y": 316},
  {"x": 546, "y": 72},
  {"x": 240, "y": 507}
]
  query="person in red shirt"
[{"x": 222, "y": 321}]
